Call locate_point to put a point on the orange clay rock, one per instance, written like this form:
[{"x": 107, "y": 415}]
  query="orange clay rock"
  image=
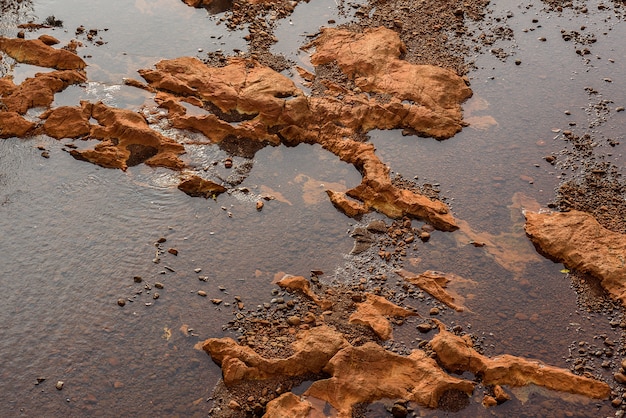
[
  {"x": 36, "y": 91},
  {"x": 14, "y": 125},
  {"x": 197, "y": 186},
  {"x": 457, "y": 354},
  {"x": 127, "y": 140},
  {"x": 67, "y": 121},
  {"x": 369, "y": 372},
  {"x": 288, "y": 405},
  {"x": 270, "y": 109},
  {"x": 434, "y": 283},
  {"x": 374, "y": 313},
  {"x": 352, "y": 208},
  {"x": 577, "y": 240},
  {"x": 299, "y": 283},
  {"x": 372, "y": 60},
  {"x": 312, "y": 351},
  {"x": 36, "y": 52}
]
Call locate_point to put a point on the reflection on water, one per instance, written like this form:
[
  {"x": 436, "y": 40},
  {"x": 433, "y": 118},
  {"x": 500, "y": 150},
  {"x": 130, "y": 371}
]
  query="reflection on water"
[{"x": 74, "y": 235}]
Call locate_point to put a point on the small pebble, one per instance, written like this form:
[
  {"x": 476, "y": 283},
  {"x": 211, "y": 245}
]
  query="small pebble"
[
  {"x": 59, "y": 385},
  {"x": 202, "y": 293},
  {"x": 434, "y": 311},
  {"x": 173, "y": 251},
  {"x": 121, "y": 302},
  {"x": 158, "y": 285}
]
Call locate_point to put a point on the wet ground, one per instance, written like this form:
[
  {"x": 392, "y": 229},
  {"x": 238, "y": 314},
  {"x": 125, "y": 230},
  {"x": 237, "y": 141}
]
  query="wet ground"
[{"x": 74, "y": 236}]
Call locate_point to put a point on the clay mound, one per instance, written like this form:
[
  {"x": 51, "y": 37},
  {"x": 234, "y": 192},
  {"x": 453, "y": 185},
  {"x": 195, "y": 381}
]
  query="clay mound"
[
  {"x": 457, "y": 354},
  {"x": 127, "y": 140},
  {"x": 577, "y": 240},
  {"x": 313, "y": 349},
  {"x": 36, "y": 52},
  {"x": 368, "y": 373}
]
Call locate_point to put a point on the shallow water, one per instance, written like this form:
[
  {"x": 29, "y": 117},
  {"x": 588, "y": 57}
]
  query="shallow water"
[{"x": 73, "y": 235}]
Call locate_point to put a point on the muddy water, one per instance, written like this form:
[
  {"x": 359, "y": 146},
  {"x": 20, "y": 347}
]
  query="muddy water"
[{"x": 73, "y": 235}]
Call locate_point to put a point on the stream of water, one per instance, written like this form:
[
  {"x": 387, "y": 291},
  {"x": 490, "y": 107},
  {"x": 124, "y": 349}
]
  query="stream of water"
[{"x": 73, "y": 235}]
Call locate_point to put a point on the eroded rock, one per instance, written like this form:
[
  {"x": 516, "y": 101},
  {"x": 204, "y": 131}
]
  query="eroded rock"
[
  {"x": 36, "y": 91},
  {"x": 270, "y": 109},
  {"x": 369, "y": 372},
  {"x": 13, "y": 124},
  {"x": 457, "y": 354},
  {"x": 288, "y": 405},
  {"x": 374, "y": 313},
  {"x": 372, "y": 60},
  {"x": 434, "y": 283},
  {"x": 67, "y": 121},
  {"x": 127, "y": 140},
  {"x": 197, "y": 186},
  {"x": 36, "y": 52},
  {"x": 312, "y": 351},
  {"x": 577, "y": 240}
]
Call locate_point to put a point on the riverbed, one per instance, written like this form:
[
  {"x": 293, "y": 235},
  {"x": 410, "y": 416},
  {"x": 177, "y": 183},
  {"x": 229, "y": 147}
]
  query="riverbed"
[{"x": 74, "y": 235}]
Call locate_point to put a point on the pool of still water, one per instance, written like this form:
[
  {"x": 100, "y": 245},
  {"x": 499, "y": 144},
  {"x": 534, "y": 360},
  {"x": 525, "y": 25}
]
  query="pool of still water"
[{"x": 73, "y": 235}]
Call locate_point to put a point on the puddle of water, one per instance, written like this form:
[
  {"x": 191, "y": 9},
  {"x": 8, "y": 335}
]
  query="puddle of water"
[{"x": 73, "y": 235}]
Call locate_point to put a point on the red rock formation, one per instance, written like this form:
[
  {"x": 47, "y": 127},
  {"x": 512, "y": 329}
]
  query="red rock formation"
[
  {"x": 67, "y": 121},
  {"x": 36, "y": 52},
  {"x": 374, "y": 313},
  {"x": 457, "y": 354},
  {"x": 37, "y": 91},
  {"x": 312, "y": 351},
  {"x": 14, "y": 125},
  {"x": 299, "y": 283},
  {"x": 577, "y": 240},
  {"x": 287, "y": 405},
  {"x": 127, "y": 140},
  {"x": 434, "y": 283},
  {"x": 352, "y": 208},
  {"x": 271, "y": 109},
  {"x": 372, "y": 60},
  {"x": 368, "y": 373}
]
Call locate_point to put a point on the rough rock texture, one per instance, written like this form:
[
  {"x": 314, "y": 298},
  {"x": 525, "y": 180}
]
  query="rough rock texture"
[
  {"x": 36, "y": 52},
  {"x": 36, "y": 91},
  {"x": 367, "y": 373},
  {"x": 352, "y": 208},
  {"x": 127, "y": 140},
  {"x": 67, "y": 121},
  {"x": 312, "y": 351},
  {"x": 434, "y": 283},
  {"x": 287, "y": 405},
  {"x": 374, "y": 313},
  {"x": 270, "y": 109},
  {"x": 13, "y": 124},
  {"x": 577, "y": 240},
  {"x": 457, "y": 354},
  {"x": 299, "y": 283},
  {"x": 372, "y": 60},
  {"x": 197, "y": 186}
]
